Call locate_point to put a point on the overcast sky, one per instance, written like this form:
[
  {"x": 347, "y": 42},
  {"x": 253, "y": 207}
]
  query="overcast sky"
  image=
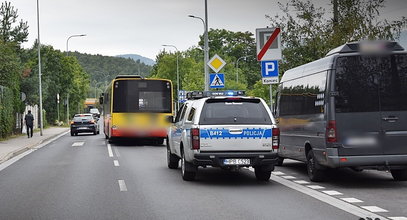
[{"x": 141, "y": 26}]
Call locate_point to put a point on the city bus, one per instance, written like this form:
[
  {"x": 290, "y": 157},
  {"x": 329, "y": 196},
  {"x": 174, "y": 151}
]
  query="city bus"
[{"x": 136, "y": 107}]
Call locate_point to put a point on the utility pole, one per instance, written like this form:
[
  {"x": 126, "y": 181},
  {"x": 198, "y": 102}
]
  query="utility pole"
[
  {"x": 206, "y": 48},
  {"x": 39, "y": 66}
]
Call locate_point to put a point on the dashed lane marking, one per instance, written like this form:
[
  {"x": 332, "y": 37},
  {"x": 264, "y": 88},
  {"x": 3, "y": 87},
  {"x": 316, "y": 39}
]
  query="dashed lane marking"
[
  {"x": 374, "y": 209},
  {"x": 116, "y": 151},
  {"x": 301, "y": 182},
  {"x": 288, "y": 177},
  {"x": 78, "y": 144},
  {"x": 122, "y": 186},
  {"x": 109, "y": 150},
  {"x": 277, "y": 173},
  {"x": 352, "y": 200},
  {"x": 315, "y": 187},
  {"x": 398, "y": 218},
  {"x": 116, "y": 163},
  {"x": 340, "y": 204},
  {"x": 332, "y": 192}
]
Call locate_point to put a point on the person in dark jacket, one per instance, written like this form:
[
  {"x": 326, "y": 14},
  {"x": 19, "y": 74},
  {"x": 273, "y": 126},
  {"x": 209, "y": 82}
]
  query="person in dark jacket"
[{"x": 29, "y": 122}]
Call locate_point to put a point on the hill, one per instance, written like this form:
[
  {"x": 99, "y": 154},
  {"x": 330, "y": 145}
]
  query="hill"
[
  {"x": 105, "y": 68},
  {"x": 136, "y": 57}
]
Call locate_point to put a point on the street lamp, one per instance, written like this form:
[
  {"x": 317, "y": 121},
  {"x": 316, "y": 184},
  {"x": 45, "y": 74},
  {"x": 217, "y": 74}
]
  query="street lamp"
[
  {"x": 237, "y": 66},
  {"x": 67, "y": 97},
  {"x": 168, "y": 45},
  {"x": 206, "y": 47},
  {"x": 39, "y": 66}
]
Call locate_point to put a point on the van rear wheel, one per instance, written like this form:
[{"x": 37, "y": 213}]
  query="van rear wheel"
[
  {"x": 399, "y": 175},
  {"x": 315, "y": 173}
]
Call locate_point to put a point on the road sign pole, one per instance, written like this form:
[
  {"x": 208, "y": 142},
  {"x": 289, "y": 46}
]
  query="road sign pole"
[{"x": 271, "y": 98}]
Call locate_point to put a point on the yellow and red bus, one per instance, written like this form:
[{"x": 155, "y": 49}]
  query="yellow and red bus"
[{"x": 136, "y": 107}]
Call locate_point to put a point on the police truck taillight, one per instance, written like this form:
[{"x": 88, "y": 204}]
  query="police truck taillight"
[
  {"x": 195, "y": 145},
  {"x": 331, "y": 132},
  {"x": 275, "y": 138}
]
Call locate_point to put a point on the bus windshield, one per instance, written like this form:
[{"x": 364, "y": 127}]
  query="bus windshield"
[{"x": 141, "y": 96}]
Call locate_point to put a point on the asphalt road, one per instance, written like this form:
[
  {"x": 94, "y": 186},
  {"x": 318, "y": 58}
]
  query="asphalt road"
[{"x": 83, "y": 177}]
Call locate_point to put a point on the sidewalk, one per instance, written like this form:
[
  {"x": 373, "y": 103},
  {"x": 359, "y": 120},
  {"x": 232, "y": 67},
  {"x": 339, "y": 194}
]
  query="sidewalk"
[{"x": 15, "y": 146}]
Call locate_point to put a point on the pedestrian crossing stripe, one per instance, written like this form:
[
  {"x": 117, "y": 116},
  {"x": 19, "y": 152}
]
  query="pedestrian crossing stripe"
[{"x": 217, "y": 81}]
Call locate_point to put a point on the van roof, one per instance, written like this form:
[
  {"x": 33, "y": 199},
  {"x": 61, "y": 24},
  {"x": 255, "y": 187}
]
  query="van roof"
[{"x": 379, "y": 46}]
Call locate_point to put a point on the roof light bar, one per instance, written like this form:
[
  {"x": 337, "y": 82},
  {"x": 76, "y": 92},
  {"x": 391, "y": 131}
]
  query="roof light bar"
[{"x": 203, "y": 94}]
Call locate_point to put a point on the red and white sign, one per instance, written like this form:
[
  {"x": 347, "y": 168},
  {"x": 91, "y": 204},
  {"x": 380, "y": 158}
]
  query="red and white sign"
[{"x": 268, "y": 44}]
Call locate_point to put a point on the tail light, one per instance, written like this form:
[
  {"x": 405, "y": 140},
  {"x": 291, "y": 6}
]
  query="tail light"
[
  {"x": 331, "y": 132},
  {"x": 275, "y": 138},
  {"x": 195, "y": 143},
  {"x": 72, "y": 122}
]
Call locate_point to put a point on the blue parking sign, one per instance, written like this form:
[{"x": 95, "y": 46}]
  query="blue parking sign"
[{"x": 269, "y": 68}]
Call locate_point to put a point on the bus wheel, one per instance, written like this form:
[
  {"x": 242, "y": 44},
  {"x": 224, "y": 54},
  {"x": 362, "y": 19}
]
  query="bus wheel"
[
  {"x": 106, "y": 137},
  {"x": 315, "y": 173}
]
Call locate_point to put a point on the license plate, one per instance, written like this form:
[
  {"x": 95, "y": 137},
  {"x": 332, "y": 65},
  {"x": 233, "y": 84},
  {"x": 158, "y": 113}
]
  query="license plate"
[{"x": 236, "y": 161}]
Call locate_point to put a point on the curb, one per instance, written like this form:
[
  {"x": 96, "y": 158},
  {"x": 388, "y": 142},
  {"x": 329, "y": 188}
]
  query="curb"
[{"x": 33, "y": 146}]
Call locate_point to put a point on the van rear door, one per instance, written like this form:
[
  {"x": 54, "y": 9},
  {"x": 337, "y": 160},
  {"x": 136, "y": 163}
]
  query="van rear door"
[
  {"x": 235, "y": 124},
  {"x": 393, "y": 103},
  {"x": 371, "y": 116}
]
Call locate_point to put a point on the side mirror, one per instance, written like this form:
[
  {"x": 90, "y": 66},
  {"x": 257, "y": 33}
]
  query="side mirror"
[
  {"x": 170, "y": 119},
  {"x": 101, "y": 100}
]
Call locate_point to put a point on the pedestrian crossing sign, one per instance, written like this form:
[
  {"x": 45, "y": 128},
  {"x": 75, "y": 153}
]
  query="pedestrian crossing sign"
[{"x": 217, "y": 80}]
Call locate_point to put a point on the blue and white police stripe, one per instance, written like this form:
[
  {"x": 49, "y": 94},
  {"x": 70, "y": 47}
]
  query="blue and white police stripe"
[{"x": 247, "y": 133}]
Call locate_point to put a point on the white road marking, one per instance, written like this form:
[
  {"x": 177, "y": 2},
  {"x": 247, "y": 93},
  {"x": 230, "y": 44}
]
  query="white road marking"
[
  {"x": 78, "y": 144},
  {"x": 301, "y": 181},
  {"x": 315, "y": 187},
  {"x": 251, "y": 169},
  {"x": 109, "y": 150},
  {"x": 332, "y": 192},
  {"x": 288, "y": 177},
  {"x": 374, "y": 209},
  {"x": 116, "y": 151},
  {"x": 277, "y": 173},
  {"x": 347, "y": 207},
  {"x": 116, "y": 163},
  {"x": 122, "y": 186},
  {"x": 398, "y": 218},
  {"x": 351, "y": 200}
]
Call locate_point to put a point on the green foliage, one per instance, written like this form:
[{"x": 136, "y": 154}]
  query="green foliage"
[
  {"x": 103, "y": 69},
  {"x": 10, "y": 88},
  {"x": 60, "y": 75},
  {"x": 10, "y": 29}
]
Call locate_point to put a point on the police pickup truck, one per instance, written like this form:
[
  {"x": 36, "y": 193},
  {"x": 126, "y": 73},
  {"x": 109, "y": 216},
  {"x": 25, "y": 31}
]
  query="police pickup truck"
[{"x": 223, "y": 129}]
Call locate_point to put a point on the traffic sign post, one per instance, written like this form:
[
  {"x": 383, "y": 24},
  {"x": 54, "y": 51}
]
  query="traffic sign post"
[
  {"x": 269, "y": 52},
  {"x": 217, "y": 80}
]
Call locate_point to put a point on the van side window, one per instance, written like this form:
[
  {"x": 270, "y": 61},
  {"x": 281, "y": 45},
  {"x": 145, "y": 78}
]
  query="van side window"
[
  {"x": 303, "y": 95},
  {"x": 191, "y": 114}
]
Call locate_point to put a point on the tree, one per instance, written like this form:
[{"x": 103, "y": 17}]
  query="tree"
[{"x": 10, "y": 29}]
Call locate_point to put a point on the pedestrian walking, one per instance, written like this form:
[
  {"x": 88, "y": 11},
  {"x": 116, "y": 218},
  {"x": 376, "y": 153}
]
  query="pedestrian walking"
[{"x": 29, "y": 122}]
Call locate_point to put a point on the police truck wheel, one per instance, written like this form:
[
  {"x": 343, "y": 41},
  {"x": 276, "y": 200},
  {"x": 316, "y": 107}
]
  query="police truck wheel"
[
  {"x": 172, "y": 159},
  {"x": 315, "y": 173},
  {"x": 186, "y": 169},
  {"x": 399, "y": 175},
  {"x": 261, "y": 174}
]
